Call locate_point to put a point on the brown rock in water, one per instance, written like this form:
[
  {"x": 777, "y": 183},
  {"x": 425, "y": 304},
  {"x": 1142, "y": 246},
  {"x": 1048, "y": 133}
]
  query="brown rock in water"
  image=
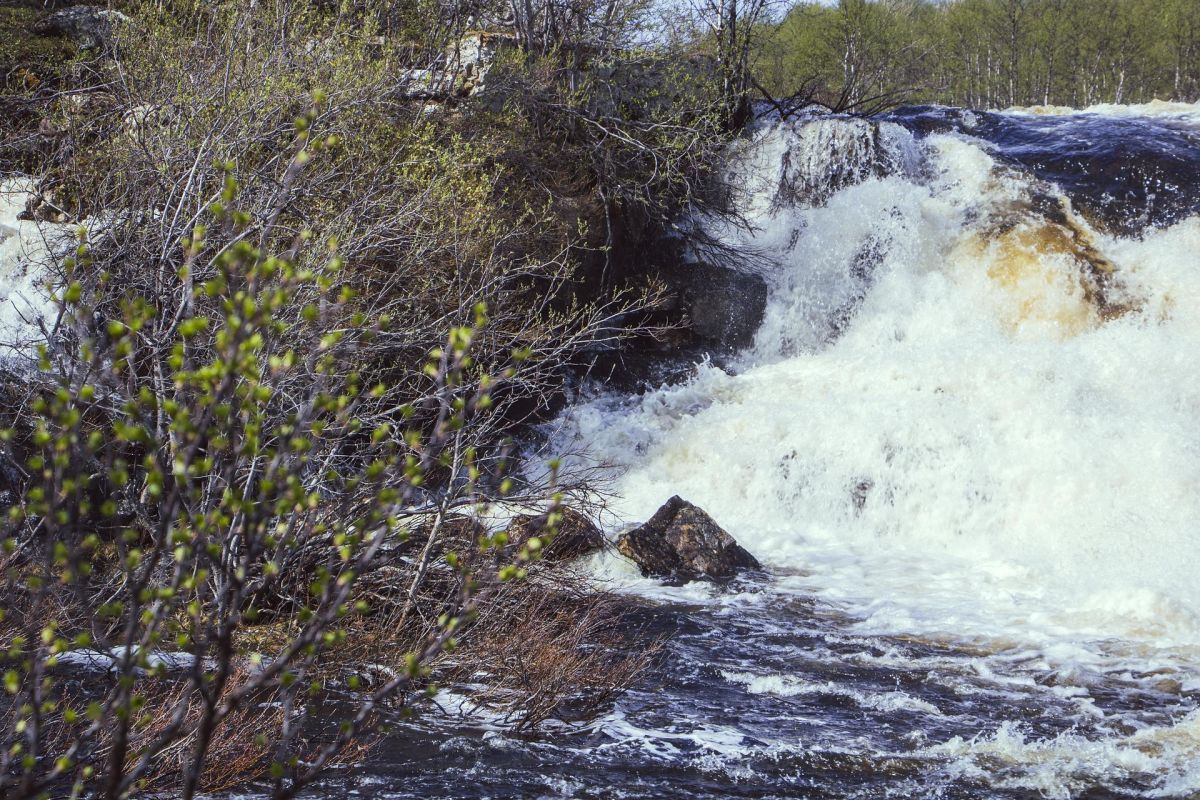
[
  {"x": 682, "y": 541},
  {"x": 575, "y": 535}
]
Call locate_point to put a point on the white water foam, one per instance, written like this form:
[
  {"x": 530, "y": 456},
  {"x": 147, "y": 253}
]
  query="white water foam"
[
  {"x": 1154, "y": 108},
  {"x": 975, "y": 405},
  {"x": 789, "y": 686},
  {"x": 1068, "y": 764},
  {"x": 944, "y": 432}
]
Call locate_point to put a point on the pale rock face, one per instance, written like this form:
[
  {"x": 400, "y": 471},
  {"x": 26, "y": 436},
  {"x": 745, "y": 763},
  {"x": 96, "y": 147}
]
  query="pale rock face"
[
  {"x": 91, "y": 28},
  {"x": 145, "y": 117},
  {"x": 23, "y": 302},
  {"x": 462, "y": 70}
]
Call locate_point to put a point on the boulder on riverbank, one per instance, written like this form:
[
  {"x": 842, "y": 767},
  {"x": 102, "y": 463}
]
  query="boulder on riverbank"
[
  {"x": 723, "y": 307},
  {"x": 682, "y": 541}
]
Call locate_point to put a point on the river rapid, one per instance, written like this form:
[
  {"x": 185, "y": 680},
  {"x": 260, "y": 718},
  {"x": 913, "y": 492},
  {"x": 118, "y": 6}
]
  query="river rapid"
[{"x": 966, "y": 447}]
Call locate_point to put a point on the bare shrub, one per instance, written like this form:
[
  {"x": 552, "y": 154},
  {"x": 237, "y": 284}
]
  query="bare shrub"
[
  {"x": 578, "y": 657},
  {"x": 298, "y": 326}
]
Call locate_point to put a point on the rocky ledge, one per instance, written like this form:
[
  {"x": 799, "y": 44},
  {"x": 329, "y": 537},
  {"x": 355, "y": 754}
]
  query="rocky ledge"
[
  {"x": 682, "y": 542},
  {"x": 91, "y": 28}
]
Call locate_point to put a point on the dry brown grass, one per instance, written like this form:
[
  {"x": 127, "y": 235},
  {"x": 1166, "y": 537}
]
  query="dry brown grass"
[
  {"x": 550, "y": 646},
  {"x": 559, "y": 655},
  {"x": 239, "y": 748},
  {"x": 547, "y": 647}
]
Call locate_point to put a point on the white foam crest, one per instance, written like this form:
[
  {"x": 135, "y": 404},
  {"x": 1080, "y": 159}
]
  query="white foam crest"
[
  {"x": 721, "y": 740},
  {"x": 791, "y": 686},
  {"x": 1166, "y": 759},
  {"x": 799, "y": 163},
  {"x": 1154, "y": 108}
]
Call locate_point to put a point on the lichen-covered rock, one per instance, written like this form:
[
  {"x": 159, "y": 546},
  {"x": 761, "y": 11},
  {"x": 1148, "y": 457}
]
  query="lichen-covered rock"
[
  {"x": 682, "y": 541},
  {"x": 461, "y": 71},
  {"x": 575, "y": 535},
  {"x": 89, "y": 27},
  {"x": 43, "y": 206}
]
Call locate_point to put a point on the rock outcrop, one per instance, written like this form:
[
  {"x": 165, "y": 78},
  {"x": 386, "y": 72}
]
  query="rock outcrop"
[
  {"x": 575, "y": 535},
  {"x": 722, "y": 307},
  {"x": 89, "y": 27},
  {"x": 681, "y": 541},
  {"x": 460, "y": 72}
]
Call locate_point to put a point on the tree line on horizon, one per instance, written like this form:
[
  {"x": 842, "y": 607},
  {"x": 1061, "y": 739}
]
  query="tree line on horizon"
[{"x": 868, "y": 54}]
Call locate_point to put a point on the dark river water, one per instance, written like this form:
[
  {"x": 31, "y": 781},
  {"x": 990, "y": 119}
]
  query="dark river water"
[{"x": 765, "y": 694}]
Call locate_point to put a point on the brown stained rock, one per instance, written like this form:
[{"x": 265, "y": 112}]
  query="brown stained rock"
[
  {"x": 575, "y": 535},
  {"x": 682, "y": 541}
]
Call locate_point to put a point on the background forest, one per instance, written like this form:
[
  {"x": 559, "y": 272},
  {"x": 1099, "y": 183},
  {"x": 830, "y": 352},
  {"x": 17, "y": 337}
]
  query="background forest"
[{"x": 985, "y": 53}]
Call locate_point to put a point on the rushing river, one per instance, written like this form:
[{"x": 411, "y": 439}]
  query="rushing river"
[{"x": 966, "y": 445}]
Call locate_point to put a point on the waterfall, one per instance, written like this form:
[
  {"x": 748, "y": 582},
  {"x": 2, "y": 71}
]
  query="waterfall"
[
  {"x": 951, "y": 361},
  {"x": 970, "y": 415}
]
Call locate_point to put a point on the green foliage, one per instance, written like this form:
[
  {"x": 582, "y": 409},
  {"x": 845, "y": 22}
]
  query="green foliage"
[
  {"x": 230, "y": 461},
  {"x": 293, "y": 345},
  {"x": 628, "y": 143},
  {"x": 291, "y": 352}
]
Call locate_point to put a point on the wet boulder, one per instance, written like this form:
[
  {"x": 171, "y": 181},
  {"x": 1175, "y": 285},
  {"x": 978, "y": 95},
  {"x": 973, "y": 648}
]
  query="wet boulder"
[
  {"x": 709, "y": 307},
  {"x": 574, "y": 534},
  {"x": 681, "y": 541},
  {"x": 723, "y": 306},
  {"x": 706, "y": 311}
]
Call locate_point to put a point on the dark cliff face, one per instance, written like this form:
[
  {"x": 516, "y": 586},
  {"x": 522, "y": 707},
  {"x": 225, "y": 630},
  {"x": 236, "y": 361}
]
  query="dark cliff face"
[
  {"x": 1122, "y": 173},
  {"x": 706, "y": 306},
  {"x": 706, "y": 310}
]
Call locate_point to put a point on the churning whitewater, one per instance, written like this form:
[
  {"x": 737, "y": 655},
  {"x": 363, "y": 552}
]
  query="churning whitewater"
[{"x": 968, "y": 424}]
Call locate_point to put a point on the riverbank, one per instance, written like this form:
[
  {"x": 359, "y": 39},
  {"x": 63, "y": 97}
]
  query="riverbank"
[{"x": 310, "y": 273}]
